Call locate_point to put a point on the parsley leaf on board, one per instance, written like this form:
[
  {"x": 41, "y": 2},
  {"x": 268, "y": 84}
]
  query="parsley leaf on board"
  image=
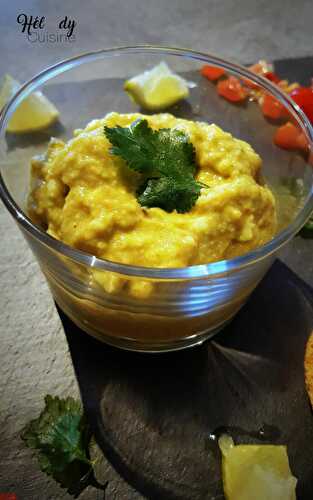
[
  {"x": 165, "y": 157},
  {"x": 61, "y": 436}
]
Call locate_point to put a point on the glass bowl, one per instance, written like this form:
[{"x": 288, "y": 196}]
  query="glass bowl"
[{"x": 188, "y": 305}]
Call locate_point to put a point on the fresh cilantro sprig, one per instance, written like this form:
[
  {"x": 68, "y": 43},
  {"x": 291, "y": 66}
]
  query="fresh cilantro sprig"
[
  {"x": 165, "y": 157},
  {"x": 61, "y": 437}
]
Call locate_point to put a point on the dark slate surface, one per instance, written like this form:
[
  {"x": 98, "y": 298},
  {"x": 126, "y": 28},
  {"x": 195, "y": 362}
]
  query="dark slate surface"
[{"x": 153, "y": 414}]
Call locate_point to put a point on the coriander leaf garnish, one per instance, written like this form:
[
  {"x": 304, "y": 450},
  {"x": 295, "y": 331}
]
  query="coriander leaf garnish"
[
  {"x": 169, "y": 193},
  {"x": 61, "y": 437},
  {"x": 165, "y": 157}
]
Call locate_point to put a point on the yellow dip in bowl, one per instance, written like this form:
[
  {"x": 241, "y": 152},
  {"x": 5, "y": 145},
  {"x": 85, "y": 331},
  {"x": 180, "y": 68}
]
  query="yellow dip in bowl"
[{"x": 86, "y": 197}]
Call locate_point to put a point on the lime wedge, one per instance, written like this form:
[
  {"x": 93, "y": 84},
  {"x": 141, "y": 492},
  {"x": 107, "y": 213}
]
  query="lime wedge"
[
  {"x": 157, "y": 88},
  {"x": 256, "y": 472},
  {"x": 35, "y": 112}
]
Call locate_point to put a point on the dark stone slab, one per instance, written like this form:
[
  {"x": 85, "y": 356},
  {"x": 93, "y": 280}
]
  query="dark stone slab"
[
  {"x": 153, "y": 414},
  {"x": 300, "y": 69}
]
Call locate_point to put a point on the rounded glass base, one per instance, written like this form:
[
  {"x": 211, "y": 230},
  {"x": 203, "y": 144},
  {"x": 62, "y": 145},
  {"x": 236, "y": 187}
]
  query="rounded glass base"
[{"x": 129, "y": 344}]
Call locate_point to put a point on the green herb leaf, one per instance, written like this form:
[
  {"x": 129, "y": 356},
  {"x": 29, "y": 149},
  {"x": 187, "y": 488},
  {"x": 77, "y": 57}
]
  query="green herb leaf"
[
  {"x": 167, "y": 159},
  {"x": 61, "y": 437},
  {"x": 307, "y": 230},
  {"x": 169, "y": 193}
]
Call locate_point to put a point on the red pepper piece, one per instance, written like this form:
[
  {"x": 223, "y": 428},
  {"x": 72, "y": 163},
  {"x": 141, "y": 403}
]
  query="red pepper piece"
[
  {"x": 303, "y": 142},
  {"x": 251, "y": 84},
  {"x": 272, "y": 108},
  {"x": 303, "y": 96},
  {"x": 270, "y": 75},
  {"x": 259, "y": 69},
  {"x": 212, "y": 73},
  {"x": 232, "y": 90},
  {"x": 290, "y": 137}
]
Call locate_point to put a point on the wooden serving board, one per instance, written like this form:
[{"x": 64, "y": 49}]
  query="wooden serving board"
[{"x": 153, "y": 414}]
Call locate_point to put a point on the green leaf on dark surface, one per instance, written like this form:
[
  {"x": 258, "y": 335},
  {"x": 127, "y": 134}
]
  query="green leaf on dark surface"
[
  {"x": 307, "y": 230},
  {"x": 61, "y": 437},
  {"x": 166, "y": 158}
]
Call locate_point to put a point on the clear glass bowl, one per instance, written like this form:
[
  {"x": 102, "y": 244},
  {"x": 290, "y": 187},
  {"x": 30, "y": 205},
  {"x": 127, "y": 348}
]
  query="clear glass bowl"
[{"x": 188, "y": 305}]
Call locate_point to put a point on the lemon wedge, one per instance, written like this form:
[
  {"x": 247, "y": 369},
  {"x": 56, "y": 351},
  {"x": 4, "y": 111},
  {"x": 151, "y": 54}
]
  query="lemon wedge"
[
  {"x": 256, "y": 472},
  {"x": 157, "y": 88},
  {"x": 34, "y": 113}
]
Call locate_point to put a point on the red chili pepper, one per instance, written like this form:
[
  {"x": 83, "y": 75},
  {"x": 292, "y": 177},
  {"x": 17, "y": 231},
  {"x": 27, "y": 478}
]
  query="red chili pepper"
[
  {"x": 212, "y": 73},
  {"x": 289, "y": 136},
  {"x": 232, "y": 90},
  {"x": 272, "y": 108},
  {"x": 8, "y": 496},
  {"x": 270, "y": 75},
  {"x": 303, "y": 96}
]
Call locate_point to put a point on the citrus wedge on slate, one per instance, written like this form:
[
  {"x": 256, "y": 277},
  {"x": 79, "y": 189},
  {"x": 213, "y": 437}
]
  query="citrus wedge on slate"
[
  {"x": 256, "y": 472},
  {"x": 35, "y": 112},
  {"x": 157, "y": 88}
]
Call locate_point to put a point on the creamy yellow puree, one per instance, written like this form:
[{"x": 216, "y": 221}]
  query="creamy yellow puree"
[{"x": 86, "y": 197}]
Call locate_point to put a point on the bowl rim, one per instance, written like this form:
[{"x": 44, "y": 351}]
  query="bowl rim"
[{"x": 196, "y": 271}]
